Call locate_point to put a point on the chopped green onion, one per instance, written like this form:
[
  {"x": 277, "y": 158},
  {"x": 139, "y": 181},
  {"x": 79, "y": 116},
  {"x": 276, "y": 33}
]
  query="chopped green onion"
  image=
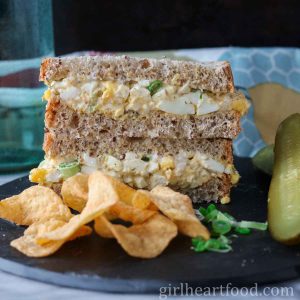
[
  {"x": 69, "y": 169},
  {"x": 210, "y": 208},
  {"x": 202, "y": 211},
  {"x": 198, "y": 244},
  {"x": 145, "y": 158},
  {"x": 196, "y": 240},
  {"x": 221, "y": 227},
  {"x": 242, "y": 230},
  {"x": 226, "y": 249},
  {"x": 253, "y": 225},
  {"x": 154, "y": 86},
  {"x": 229, "y": 216},
  {"x": 211, "y": 216},
  {"x": 212, "y": 244},
  {"x": 221, "y": 224},
  {"x": 200, "y": 247},
  {"x": 221, "y": 244},
  {"x": 224, "y": 240},
  {"x": 222, "y": 217}
]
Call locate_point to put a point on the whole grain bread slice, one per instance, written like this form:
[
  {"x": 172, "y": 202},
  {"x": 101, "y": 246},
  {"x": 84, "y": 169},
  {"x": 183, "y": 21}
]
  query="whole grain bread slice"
[
  {"x": 58, "y": 146},
  {"x": 64, "y": 123},
  {"x": 215, "y": 77}
]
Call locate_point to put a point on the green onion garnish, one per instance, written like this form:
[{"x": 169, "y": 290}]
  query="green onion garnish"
[
  {"x": 211, "y": 216},
  {"x": 242, "y": 230},
  {"x": 203, "y": 211},
  {"x": 199, "y": 244},
  {"x": 69, "y": 169},
  {"x": 210, "y": 208},
  {"x": 221, "y": 244},
  {"x": 222, "y": 223},
  {"x": 253, "y": 225},
  {"x": 154, "y": 86},
  {"x": 221, "y": 227}
]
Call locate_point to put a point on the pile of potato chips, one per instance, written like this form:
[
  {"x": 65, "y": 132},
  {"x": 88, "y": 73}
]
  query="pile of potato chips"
[{"x": 155, "y": 217}]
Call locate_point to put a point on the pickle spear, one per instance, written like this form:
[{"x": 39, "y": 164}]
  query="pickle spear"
[
  {"x": 284, "y": 192},
  {"x": 264, "y": 159}
]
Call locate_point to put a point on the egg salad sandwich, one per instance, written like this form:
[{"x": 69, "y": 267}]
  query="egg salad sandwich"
[{"x": 147, "y": 122}]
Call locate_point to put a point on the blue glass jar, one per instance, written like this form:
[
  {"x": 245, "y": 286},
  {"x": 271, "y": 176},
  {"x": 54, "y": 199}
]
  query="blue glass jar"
[{"x": 26, "y": 36}]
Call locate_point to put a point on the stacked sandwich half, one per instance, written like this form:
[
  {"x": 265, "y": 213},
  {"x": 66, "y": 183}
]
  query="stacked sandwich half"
[{"x": 147, "y": 122}]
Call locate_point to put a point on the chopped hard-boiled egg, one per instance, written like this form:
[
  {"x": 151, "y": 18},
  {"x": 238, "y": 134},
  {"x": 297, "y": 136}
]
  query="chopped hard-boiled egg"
[
  {"x": 135, "y": 166},
  {"x": 116, "y": 98},
  {"x": 38, "y": 175},
  {"x": 185, "y": 169},
  {"x": 113, "y": 163},
  {"x": 69, "y": 93},
  {"x": 47, "y": 95},
  {"x": 207, "y": 105},
  {"x": 167, "y": 162}
]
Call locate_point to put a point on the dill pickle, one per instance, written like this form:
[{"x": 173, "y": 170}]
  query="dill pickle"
[
  {"x": 264, "y": 159},
  {"x": 284, "y": 192}
]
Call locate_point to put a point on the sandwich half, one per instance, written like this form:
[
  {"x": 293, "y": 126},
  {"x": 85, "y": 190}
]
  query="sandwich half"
[{"x": 147, "y": 122}]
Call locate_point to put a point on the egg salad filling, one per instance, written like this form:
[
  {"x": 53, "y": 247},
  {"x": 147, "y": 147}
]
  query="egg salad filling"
[
  {"x": 116, "y": 98},
  {"x": 185, "y": 170}
]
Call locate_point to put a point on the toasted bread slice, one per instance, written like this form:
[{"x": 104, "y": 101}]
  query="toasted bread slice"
[{"x": 215, "y": 77}]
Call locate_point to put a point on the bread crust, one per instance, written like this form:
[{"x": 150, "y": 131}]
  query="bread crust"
[{"x": 215, "y": 77}]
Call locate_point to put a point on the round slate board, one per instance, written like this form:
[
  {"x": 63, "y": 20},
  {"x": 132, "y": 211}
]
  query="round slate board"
[{"x": 100, "y": 264}]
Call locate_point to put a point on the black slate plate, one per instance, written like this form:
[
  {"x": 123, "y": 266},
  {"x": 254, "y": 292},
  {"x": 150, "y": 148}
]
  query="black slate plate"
[{"x": 99, "y": 264}]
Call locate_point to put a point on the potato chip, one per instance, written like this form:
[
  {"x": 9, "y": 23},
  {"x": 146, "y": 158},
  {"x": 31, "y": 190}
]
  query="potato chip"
[
  {"x": 179, "y": 209},
  {"x": 37, "y": 203},
  {"x": 82, "y": 231},
  {"x": 27, "y": 243},
  {"x": 101, "y": 227},
  {"x": 143, "y": 199},
  {"x": 146, "y": 240},
  {"x": 124, "y": 191},
  {"x": 74, "y": 191},
  {"x": 121, "y": 210},
  {"x": 129, "y": 213},
  {"x": 102, "y": 195}
]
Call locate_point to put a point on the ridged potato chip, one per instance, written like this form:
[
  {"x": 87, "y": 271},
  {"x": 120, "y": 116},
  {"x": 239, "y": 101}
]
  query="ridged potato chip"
[
  {"x": 37, "y": 203},
  {"x": 146, "y": 240},
  {"x": 27, "y": 243},
  {"x": 101, "y": 227},
  {"x": 143, "y": 199},
  {"x": 74, "y": 191},
  {"x": 156, "y": 216},
  {"x": 124, "y": 191},
  {"x": 102, "y": 195},
  {"x": 179, "y": 209},
  {"x": 125, "y": 212},
  {"x": 129, "y": 213}
]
